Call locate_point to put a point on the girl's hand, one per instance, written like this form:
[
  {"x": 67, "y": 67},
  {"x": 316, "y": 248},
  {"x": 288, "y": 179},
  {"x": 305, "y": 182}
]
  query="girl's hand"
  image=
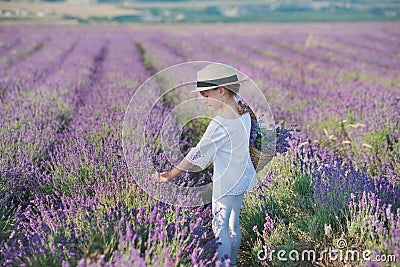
[{"x": 162, "y": 177}]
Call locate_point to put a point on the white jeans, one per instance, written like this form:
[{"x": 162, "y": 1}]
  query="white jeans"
[{"x": 226, "y": 226}]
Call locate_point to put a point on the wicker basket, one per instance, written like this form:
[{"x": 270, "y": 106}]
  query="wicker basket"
[{"x": 258, "y": 158}]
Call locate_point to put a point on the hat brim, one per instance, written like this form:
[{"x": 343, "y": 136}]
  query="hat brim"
[{"x": 199, "y": 89}]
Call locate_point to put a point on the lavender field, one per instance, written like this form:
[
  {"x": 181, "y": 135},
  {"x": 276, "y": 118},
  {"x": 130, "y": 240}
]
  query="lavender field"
[{"x": 67, "y": 197}]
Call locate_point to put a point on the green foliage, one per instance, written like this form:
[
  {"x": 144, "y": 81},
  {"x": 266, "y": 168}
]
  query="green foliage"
[
  {"x": 383, "y": 146},
  {"x": 6, "y": 226},
  {"x": 303, "y": 186},
  {"x": 44, "y": 260},
  {"x": 280, "y": 199}
]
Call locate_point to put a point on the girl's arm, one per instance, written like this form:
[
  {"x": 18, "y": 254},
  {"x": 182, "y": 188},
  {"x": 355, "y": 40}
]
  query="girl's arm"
[
  {"x": 183, "y": 166},
  {"x": 210, "y": 138}
]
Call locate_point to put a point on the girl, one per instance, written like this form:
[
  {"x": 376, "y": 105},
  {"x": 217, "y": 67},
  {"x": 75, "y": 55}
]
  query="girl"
[{"x": 226, "y": 140}]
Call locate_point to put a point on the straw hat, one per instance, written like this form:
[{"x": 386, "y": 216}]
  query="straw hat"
[{"x": 215, "y": 75}]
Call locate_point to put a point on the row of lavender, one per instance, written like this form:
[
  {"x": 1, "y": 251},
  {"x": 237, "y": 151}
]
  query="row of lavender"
[
  {"x": 68, "y": 193},
  {"x": 78, "y": 200}
]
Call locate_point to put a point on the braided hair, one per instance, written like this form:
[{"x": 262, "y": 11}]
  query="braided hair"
[{"x": 243, "y": 107}]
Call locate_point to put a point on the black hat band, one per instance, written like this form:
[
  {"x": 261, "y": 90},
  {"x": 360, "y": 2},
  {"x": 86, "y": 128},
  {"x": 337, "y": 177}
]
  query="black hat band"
[{"x": 215, "y": 82}]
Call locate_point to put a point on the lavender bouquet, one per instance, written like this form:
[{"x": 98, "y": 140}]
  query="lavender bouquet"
[{"x": 270, "y": 140}]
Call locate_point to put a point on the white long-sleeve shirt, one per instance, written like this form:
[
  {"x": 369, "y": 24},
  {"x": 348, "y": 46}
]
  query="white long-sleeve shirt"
[{"x": 227, "y": 142}]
